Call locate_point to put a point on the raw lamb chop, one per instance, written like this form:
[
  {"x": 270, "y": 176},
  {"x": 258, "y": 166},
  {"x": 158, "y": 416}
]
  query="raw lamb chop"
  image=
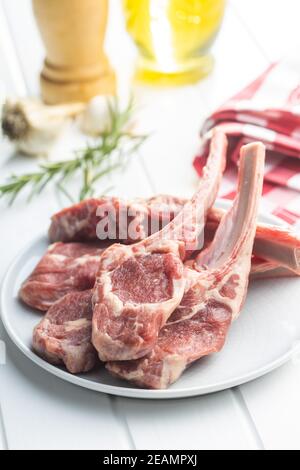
[
  {"x": 64, "y": 334},
  {"x": 80, "y": 222},
  {"x": 73, "y": 266},
  {"x": 83, "y": 221},
  {"x": 215, "y": 290},
  {"x": 64, "y": 268},
  {"x": 262, "y": 269},
  {"x": 139, "y": 286},
  {"x": 50, "y": 344},
  {"x": 277, "y": 245}
]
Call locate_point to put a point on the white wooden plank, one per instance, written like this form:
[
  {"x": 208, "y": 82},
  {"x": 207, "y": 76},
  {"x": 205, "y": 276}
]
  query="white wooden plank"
[
  {"x": 238, "y": 60},
  {"x": 212, "y": 422},
  {"x": 28, "y": 47},
  {"x": 10, "y": 72},
  {"x": 42, "y": 412},
  {"x": 172, "y": 118},
  {"x": 273, "y": 402},
  {"x": 119, "y": 47},
  {"x": 3, "y": 442},
  {"x": 273, "y": 24}
]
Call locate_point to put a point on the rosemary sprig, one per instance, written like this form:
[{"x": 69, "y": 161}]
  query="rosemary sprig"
[{"x": 111, "y": 152}]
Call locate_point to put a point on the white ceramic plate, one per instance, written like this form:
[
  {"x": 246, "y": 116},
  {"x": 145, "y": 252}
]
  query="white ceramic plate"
[{"x": 265, "y": 337}]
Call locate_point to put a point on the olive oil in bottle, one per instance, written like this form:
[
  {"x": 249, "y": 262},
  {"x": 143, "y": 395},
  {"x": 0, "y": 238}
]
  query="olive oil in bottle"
[{"x": 173, "y": 37}]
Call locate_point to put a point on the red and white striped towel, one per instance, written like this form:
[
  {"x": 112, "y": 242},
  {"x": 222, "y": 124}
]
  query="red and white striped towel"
[{"x": 267, "y": 110}]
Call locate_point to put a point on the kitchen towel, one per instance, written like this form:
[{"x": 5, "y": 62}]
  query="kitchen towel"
[{"x": 267, "y": 110}]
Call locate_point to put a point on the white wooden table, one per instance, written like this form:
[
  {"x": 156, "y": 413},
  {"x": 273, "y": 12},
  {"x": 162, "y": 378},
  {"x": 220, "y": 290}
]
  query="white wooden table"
[{"x": 38, "y": 411}]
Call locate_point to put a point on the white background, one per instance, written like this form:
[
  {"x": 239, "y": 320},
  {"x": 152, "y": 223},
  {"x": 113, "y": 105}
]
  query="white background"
[{"x": 39, "y": 411}]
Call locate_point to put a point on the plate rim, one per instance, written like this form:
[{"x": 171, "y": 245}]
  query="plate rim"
[{"x": 114, "y": 389}]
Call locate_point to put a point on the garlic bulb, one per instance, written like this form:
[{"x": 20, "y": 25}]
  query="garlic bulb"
[
  {"x": 34, "y": 127},
  {"x": 97, "y": 118}
]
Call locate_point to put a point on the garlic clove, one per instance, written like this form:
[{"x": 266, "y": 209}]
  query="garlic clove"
[
  {"x": 14, "y": 121},
  {"x": 34, "y": 127},
  {"x": 97, "y": 119},
  {"x": 55, "y": 114},
  {"x": 40, "y": 141}
]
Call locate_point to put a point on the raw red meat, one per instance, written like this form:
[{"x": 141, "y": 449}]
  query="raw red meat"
[
  {"x": 215, "y": 289},
  {"x": 64, "y": 334},
  {"x": 138, "y": 287},
  {"x": 262, "y": 269},
  {"x": 64, "y": 268},
  {"x": 105, "y": 219},
  {"x": 53, "y": 337},
  {"x": 274, "y": 244},
  {"x": 82, "y": 222},
  {"x": 76, "y": 223},
  {"x": 277, "y": 245}
]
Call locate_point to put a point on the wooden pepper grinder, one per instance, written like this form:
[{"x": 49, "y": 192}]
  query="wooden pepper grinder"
[{"x": 76, "y": 67}]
